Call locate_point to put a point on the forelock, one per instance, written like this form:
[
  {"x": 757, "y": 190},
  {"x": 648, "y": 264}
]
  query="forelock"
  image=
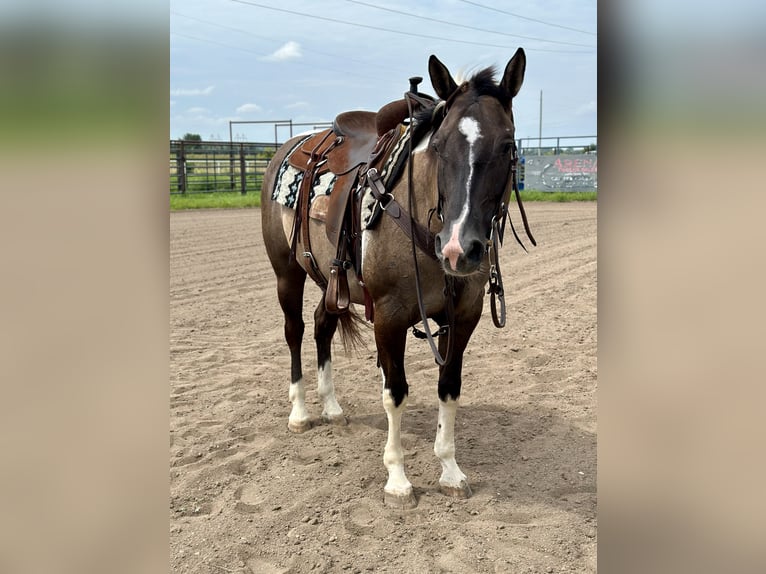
[{"x": 483, "y": 84}]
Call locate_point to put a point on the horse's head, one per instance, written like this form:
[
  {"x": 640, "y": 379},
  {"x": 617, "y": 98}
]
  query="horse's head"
[{"x": 474, "y": 147}]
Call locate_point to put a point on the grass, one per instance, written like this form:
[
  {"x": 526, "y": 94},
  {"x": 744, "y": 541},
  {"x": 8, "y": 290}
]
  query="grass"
[
  {"x": 557, "y": 196},
  {"x": 235, "y": 200},
  {"x": 215, "y": 200},
  {"x": 210, "y": 183}
]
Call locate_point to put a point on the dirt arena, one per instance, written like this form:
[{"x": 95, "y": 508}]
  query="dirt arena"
[{"x": 248, "y": 496}]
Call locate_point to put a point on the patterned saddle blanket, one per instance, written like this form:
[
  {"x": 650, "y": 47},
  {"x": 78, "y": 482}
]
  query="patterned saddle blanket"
[{"x": 289, "y": 178}]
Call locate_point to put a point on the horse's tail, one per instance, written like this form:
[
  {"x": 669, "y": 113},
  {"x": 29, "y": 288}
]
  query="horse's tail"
[{"x": 351, "y": 326}]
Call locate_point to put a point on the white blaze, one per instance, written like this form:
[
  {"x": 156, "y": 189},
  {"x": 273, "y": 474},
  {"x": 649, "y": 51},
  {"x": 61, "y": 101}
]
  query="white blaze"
[{"x": 469, "y": 127}]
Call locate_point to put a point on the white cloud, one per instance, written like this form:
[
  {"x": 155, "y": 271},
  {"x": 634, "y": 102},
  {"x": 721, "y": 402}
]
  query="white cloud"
[
  {"x": 248, "y": 108},
  {"x": 289, "y": 51},
  {"x": 197, "y": 111},
  {"x": 296, "y": 105},
  {"x": 590, "y": 108},
  {"x": 192, "y": 92}
]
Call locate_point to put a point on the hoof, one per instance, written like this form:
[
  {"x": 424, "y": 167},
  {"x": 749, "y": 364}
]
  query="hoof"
[
  {"x": 400, "y": 501},
  {"x": 299, "y": 426},
  {"x": 337, "y": 420},
  {"x": 462, "y": 491}
]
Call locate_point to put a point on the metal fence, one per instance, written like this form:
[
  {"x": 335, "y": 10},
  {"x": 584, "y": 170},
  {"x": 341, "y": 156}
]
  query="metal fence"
[
  {"x": 558, "y": 145},
  {"x": 565, "y": 163},
  {"x": 206, "y": 167}
]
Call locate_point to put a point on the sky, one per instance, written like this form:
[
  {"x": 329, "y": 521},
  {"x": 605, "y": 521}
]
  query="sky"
[{"x": 307, "y": 61}]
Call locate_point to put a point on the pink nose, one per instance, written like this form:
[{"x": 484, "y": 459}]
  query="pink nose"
[{"x": 453, "y": 249}]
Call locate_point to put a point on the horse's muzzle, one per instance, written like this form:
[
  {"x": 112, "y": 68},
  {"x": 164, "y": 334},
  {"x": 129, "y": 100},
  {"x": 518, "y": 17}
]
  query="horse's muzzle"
[{"x": 458, "y": 260}]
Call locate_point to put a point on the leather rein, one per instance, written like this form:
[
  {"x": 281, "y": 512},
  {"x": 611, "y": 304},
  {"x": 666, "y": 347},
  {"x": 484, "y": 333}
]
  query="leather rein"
[{"x": 495, "y": 290}]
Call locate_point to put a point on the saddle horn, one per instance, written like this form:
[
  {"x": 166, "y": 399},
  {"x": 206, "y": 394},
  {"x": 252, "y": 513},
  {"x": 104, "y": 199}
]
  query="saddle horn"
[{"x": 394, "y": 113}]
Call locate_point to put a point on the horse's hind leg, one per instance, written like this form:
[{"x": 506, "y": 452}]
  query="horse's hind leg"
[
  {"x": 290, "y": 284},
  {"x": 325, "y": 325}
]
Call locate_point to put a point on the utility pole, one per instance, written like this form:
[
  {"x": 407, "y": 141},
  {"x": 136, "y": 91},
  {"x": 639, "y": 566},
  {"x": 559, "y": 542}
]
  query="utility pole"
[{"x": 540, "y": 132}]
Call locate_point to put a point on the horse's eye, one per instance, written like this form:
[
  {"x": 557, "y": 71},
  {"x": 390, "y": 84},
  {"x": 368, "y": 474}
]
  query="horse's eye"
[{"x": 506, "y": 148}]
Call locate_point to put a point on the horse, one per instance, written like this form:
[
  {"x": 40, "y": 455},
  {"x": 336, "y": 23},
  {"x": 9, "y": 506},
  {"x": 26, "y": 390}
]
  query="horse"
[{"x": 458, "y": 185}]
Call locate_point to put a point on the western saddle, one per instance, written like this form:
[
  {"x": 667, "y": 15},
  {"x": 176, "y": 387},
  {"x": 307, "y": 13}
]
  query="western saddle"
[{"x": 357, "y": 142}]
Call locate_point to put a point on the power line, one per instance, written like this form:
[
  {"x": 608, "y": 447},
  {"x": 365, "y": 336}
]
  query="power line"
[
  {"x": 324, "y": 18},
  {"x": 248, "y": 33},
  {"x": 297, "y": 62},
  {"x": 528, "y": 18},
  {"x": 465, "y": 25}
]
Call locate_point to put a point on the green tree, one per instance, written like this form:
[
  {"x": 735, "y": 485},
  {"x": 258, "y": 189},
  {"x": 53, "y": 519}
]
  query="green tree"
[{"x": 191, "y": 137}]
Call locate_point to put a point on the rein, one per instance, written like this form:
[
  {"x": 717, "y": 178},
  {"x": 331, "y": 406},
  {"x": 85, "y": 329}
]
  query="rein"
[
  {"x": 495, "y": 290},
  {"x": 449, "y": 287}
]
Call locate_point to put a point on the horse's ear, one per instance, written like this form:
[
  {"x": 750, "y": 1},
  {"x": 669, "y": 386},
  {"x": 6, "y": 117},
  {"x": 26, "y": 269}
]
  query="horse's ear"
[
  {"x": 514, "y": 73},
  {"x": 441, "y": 79}
]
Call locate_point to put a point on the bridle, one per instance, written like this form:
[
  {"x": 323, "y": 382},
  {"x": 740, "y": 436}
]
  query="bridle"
[
  {"x": 495, "y": 240},
  {"x": 497, "y": 230}
]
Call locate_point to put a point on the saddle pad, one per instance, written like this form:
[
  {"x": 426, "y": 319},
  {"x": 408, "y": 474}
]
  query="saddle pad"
[
  {"x": 389, "y": 174},
  {"x": 289, "y": 179}
]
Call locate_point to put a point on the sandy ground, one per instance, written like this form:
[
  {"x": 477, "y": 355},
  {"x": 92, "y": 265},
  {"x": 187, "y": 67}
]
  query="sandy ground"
[{"x": 248, "y": 496}]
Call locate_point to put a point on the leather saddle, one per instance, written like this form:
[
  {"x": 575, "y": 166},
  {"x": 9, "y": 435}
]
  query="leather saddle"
[
  {"x": 341, "y": 150},
  {"x": 357, "y": 140}
]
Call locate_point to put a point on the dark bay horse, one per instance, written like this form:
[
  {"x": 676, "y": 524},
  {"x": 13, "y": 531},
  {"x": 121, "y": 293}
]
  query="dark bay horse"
[{"x": 461, "y": 182}]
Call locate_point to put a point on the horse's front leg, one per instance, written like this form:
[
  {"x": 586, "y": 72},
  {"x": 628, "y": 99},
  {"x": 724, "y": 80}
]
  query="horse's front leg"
[
  {"x": 453, "y": 482},
  {"x": 390, "y": 341}
]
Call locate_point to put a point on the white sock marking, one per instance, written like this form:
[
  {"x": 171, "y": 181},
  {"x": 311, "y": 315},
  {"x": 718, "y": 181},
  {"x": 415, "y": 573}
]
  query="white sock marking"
[
  {"x": 297, "y": 395},
  {"x": 326, "y": 391},
  {"x": 393, "y": 454},
  {"x": 444, "y": 445}
]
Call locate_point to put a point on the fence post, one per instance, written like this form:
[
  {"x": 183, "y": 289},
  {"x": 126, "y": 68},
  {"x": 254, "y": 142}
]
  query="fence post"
[
  {"x": 242, "y": 174},
  {"x": 181, "y": 168},
  {"x": 231, "y": 166}
]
